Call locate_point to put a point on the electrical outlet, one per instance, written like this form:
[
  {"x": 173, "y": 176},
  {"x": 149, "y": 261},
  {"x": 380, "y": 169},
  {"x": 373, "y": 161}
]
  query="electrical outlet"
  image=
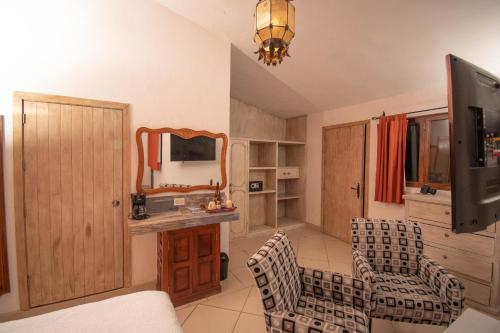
[{"x": 179, "y": 201}]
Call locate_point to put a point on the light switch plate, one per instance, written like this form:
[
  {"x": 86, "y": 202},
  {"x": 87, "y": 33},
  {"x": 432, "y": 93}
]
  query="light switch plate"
[{"x": 179, "y": 201}]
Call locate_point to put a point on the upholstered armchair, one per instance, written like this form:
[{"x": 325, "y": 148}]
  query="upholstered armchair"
[
  {"x": 298, "y": 299},
  {"x": 407, "y": 286}
]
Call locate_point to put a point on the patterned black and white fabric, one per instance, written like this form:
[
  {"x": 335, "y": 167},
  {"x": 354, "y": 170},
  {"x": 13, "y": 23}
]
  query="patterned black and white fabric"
[
  {"x": 298, "y": 299},
  {"x": 389, "y": 246},
  {"x": 406, "y": 285}
]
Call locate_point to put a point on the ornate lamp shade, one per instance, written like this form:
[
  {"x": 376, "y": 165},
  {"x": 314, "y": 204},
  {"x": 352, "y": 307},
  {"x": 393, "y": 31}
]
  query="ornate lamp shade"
[{"x": 274, "y": 29}]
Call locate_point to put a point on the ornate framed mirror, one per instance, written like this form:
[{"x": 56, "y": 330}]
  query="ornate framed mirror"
[{"x": 180, "y": 160}]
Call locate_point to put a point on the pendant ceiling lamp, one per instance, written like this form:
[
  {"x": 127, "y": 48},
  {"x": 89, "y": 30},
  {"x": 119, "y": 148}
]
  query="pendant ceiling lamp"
[{"x": 274, "y": 29}]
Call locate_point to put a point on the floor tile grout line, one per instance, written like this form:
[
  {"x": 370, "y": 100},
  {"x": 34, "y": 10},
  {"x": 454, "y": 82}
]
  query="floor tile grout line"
[
  {"x": 221, "y": 308},
  {"x": 189, "y": 315},
  {"x": 330, "y": 265},
  {"x": 239, "y": 315}
]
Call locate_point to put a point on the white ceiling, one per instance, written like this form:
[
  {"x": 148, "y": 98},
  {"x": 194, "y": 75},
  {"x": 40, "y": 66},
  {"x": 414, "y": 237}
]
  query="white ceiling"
[{"x": 351, "y": 51}]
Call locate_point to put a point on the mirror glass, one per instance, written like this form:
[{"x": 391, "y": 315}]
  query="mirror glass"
[
  {"x": 439, "y": 152},
  {"x": 172, "y": 162}
]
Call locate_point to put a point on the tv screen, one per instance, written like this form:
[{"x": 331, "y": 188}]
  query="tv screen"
[
  {"x": 474, "y": 113},
  {"x": 200, "y": 148}
]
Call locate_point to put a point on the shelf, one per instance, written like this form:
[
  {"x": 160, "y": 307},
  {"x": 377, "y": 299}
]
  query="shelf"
[
  {"x": 280, "y": 142},
  {"x": 285, "y": 221},
  {"x": 290, "y": 143},
  {"x": 262, "y": 192},
  {"x": 261, "y": 168},
  {"x": 288, "y": 196}
]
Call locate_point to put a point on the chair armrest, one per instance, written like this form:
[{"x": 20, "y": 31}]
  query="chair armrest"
[
  {"x": 336, "y": 287},
  {"x": 449, "y": 288},
  {"x": 361, "y": 268},
  {"x": 286, "y": 321}
]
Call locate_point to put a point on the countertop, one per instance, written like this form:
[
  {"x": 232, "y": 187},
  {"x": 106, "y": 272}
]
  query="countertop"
[{"x": 174, "y": 221}]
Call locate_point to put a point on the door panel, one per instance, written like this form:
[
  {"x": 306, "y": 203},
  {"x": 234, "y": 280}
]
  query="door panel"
[
  {"x": 239, "y": 163},
  {"x": 343, "y": 178},
  {"x": 206, "y": 261},
  {"x": 239, "y": 185},
  {"x": 239, "y": 197},
  {"x": 72, "y": 175},
  {"x": 180, "y": 254}
]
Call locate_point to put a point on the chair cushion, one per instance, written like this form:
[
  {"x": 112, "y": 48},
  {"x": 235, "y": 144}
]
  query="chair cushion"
[
  {"x": 331, "y": 314},
  {"x": 406, "y": 297},
  {"x": 388, "y": 245}
]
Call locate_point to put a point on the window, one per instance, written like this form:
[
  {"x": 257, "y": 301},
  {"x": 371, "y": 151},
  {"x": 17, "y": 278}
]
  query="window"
[{"x": 428, "y": 152}]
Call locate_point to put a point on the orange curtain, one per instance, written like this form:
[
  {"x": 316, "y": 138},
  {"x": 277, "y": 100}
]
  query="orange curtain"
[
  {"x": 391, "y": 156},
  {"x": 154, "y": 151}
]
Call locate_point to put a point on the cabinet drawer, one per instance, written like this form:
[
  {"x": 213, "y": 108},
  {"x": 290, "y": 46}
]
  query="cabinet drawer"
[
  {"x": 460, "y": 263},
  {"x": 466, "y": 242},
  {"x": 476, "y": 292},
  {"x": 429, "y": 211},
  {"x": 288, "y": 173}
]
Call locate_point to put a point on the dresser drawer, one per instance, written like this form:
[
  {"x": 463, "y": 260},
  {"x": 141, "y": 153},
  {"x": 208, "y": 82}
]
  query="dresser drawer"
[
  {"x": 429, "y": 211},
  {"x": 464, "y": 264},
  {"x": 466, "y": 242},
  {"x": 288, "y": 172},
  {"x": 476, "y": 292}
]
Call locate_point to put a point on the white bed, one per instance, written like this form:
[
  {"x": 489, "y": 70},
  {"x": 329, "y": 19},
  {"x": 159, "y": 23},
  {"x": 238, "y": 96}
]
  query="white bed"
[{"x": 147, "y": 311}]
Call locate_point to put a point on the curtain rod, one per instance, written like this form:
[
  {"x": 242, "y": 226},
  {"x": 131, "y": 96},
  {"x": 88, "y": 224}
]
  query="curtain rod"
[{"x": 433, "y": 109}]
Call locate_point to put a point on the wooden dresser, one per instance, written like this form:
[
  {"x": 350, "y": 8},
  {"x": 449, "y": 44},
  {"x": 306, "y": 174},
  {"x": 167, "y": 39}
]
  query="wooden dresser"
[
  {"x": 474, "y": 258},
  {"x": 189, "y": 263}
]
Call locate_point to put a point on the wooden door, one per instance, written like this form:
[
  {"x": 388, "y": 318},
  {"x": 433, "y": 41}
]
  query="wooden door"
[
  {"x": 206, "y": 261},
  {"x": 73, "y": 195},
  {"x": 4, "y": 265},
  {"x": 238, "y": 188},
  {"x": 343, "y": 178}
]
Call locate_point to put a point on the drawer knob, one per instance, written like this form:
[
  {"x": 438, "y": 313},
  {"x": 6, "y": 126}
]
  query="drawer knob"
[
  {"x": 445, "y": 257},
  {"x": 446, "y": 213},
  {"x": 446, "y": 235}
]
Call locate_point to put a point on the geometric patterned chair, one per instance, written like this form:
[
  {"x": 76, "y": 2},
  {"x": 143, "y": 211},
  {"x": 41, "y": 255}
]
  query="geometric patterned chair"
[
  {"x": 298, "y": 299},
  {"x": 407, "y": 286}
]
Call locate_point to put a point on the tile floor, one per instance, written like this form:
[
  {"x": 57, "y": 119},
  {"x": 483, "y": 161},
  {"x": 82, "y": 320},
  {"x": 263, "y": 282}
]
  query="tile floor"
[{"x": 238, "y": 308}]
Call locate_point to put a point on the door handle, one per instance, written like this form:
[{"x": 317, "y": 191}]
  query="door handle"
[
  {"x": 357, "y": 189},
  {"x": 115, "y": 203}
]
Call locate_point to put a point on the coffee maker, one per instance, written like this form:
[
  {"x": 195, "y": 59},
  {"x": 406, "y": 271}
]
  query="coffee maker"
[{"x": 138, "y": 206}]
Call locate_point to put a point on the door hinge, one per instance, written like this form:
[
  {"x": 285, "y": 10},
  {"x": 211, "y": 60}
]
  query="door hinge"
[
  {"x": 24, "y": 118},
  {"x": 24, "y": 212},
  {"x": 28, "y": 281},
  {"x": 24, "y": 165}
]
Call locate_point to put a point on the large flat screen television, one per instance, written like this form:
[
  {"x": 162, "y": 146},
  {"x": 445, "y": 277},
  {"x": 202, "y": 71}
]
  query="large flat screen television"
[
  {"x": 474, "y": 114},
  {"x": 199, "y": 148}
]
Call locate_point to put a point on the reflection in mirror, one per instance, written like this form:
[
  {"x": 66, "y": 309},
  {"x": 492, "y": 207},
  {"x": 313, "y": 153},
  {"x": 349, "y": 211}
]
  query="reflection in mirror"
[
  {"x": 171, "y": 161},
  {"x": 439, "y": 152}
]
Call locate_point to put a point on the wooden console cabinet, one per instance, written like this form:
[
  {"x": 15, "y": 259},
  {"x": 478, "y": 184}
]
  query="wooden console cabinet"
[
  {"x": 189, "y": 263},
  {"x": 472, "y": 257}
]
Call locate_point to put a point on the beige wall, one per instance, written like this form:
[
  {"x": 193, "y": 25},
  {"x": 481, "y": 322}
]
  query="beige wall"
[
  {"x": 247, "y": 121},
  {"x": 172, "y": 72},
  {"x": 424, "y": 99}
]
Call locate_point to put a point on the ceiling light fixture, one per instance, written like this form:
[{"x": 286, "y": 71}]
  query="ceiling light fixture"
[{"x": 274, "y": 29}]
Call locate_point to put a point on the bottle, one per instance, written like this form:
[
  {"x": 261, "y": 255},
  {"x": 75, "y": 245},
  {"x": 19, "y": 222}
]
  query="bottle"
[{"x": 217, "y": 197}]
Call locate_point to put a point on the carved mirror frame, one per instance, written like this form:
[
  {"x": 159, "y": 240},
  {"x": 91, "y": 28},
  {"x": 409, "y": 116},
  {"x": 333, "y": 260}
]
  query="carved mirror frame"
[{"x": 185, "y": 133}]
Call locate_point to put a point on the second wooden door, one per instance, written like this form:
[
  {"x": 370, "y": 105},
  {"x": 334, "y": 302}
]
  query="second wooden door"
[{"x": 343, "y": 178}]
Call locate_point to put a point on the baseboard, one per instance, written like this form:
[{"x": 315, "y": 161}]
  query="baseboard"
[
  {"x": 314, "y": 227},
  {"x": 151, "y": 285}
]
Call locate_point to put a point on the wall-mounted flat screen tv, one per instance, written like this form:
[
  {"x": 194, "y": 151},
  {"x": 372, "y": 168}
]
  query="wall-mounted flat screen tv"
[
  {"x": 474, "y": 114},
  {"x": 200, "y": 148}
]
